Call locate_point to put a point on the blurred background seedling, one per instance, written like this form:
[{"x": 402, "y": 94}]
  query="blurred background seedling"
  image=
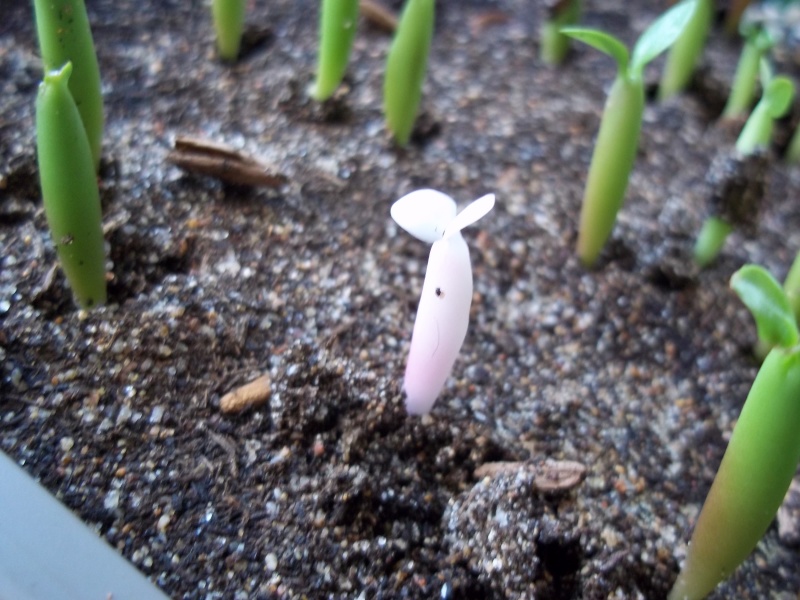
[
  {"x": 554, "y": 45},
  {"x": 406, "y": 66},
  {"x": 618, "y": 139},
  {"x": 65, "y": 36},
  {"x": 337, "y": 30},
  {"x": 757, "y": 43},
  {"x": 736, "y": 202},
  {"x": 228, "y": 17},
  {"x": 686, "y": 51}
]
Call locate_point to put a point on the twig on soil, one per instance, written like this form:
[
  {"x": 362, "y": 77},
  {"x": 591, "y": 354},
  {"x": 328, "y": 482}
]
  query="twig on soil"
[
  {"x": 379, "y": 15},
  {"x": 484, "y": 20},
  {"x": 249, "y": 395},
  {"x": 47, "y": 283},
  {"x": 229, "y": 449},
  {"x": 339, "y": 331},
  {"x": 223, "y": 162}
]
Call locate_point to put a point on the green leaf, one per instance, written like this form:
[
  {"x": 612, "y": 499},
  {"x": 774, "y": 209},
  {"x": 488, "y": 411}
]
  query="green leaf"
[
  {"x": 778, "y": 95},
  {"x": 406, "y": 66},
  {"x": 765, "y": 72},
  {"x": 757, "y": 35},
  {"x": 601, "y": 41},
  {"x": 661, "y": 34},
  {"x": 767, "y": 301}
]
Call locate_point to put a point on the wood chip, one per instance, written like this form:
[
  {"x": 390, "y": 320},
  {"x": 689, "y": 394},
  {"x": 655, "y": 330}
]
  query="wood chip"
[
  {"x": 549, "y": 475},
  {"x": 378, "y": 14},
  {"x": 250, "y": 395},
  {"x": 223, "y": 162},
  {"x": 486, "y": 19}
]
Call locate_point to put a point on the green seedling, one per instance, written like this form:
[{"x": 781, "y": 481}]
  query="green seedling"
[
  {"x": 228, "y": 17},
  {"x": 686, "y": 51},
  {"x": 65, "y": 36},
  {"x": 791, "y": 287},
  {"x": 69, "y": 189},
  {"x": 775, "y": 102},
  {"x": 337, "y": 30},
  {"x": 755, "y": 137},
  {"x": 618, "y": 139},
  {"x": 793, "y": 149},
  {"x": 763, "y": 452},
  {"x": 554, "y": 45},
  {"x": 743, "y": 89},
  {"x": 406, "y": 66}
]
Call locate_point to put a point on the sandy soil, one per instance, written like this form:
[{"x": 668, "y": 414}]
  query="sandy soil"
[{"x": 636, "y": 370}]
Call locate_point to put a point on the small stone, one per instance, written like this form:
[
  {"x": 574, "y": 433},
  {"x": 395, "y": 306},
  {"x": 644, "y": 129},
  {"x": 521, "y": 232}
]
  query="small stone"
[
  {"x": 157, "y": 414},
  {"x": 163, "y": 522},
  {"x": 111, "y": 501},
  {"x": 271, "y": 561},
  {"x": 789, "y": 516}
]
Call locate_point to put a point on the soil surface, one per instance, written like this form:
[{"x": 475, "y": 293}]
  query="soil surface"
[{"x": 636, "y": 370}]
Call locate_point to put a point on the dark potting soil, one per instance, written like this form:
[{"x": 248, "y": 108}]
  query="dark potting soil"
[{"x": 636, "y": 370}]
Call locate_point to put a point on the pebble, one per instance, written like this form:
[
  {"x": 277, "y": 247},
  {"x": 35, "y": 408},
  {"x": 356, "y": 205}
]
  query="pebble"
[{"x": 271, "y": 561}]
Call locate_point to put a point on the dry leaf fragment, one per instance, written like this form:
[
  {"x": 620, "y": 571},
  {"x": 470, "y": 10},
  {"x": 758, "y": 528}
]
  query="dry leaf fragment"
[
  {"x": 486, "y": 19},
  {"x": 556, "y": 475},
  {"x": 223, "y": 162},
  {"x": 549, "y": 475},
  {"x": 250, "y": 395},
  {"x": 378, "y": 14}
]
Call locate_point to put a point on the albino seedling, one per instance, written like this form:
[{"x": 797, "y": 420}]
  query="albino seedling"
[{"x": 443, "y": 312}]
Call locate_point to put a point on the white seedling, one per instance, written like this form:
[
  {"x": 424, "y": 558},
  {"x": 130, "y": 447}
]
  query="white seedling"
[{"x": 443, "y": 313}]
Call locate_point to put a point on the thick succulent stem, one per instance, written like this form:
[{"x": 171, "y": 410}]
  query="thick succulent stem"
[
  {"x": 337, "y": 29},
  {"x": 69, "y": 189},
  {"x": 752, "y": 480},
  {"x": 612, "y": 162},
  {"x": 65, "y": 36}
]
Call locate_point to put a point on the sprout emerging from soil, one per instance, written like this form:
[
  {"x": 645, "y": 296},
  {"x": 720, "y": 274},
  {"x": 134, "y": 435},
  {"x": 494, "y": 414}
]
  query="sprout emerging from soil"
[
  {"x": 754, "y": 138},
  {"x": 686, "y": 51},
  {"x": 406, "y": 66},
  {"x": 228, "y": 16},
  {"x": 69, "y": 189},
  {"x": 618, "y": 139},
  {"x": 743, "y": 89},
  {"x": 443, "y": 312},
  {"x": 337, "y": 30},
  {"x": 553, "y": 45},
  {"x": 65, "y": 36},
  {"x": 775, "y": 101},
  {"x": 763, "y": 453}
]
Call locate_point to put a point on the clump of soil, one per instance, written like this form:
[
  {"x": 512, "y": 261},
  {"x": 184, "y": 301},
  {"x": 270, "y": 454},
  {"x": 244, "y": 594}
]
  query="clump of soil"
[{"x": 636, "y": 370}]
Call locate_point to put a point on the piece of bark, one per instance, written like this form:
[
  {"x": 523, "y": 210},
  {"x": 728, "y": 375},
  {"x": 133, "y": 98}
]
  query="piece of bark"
[
  {"x": 223, "y": 162},
  {"x": 379, "y": 15},
  {"x": 549, "y": 475}
]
